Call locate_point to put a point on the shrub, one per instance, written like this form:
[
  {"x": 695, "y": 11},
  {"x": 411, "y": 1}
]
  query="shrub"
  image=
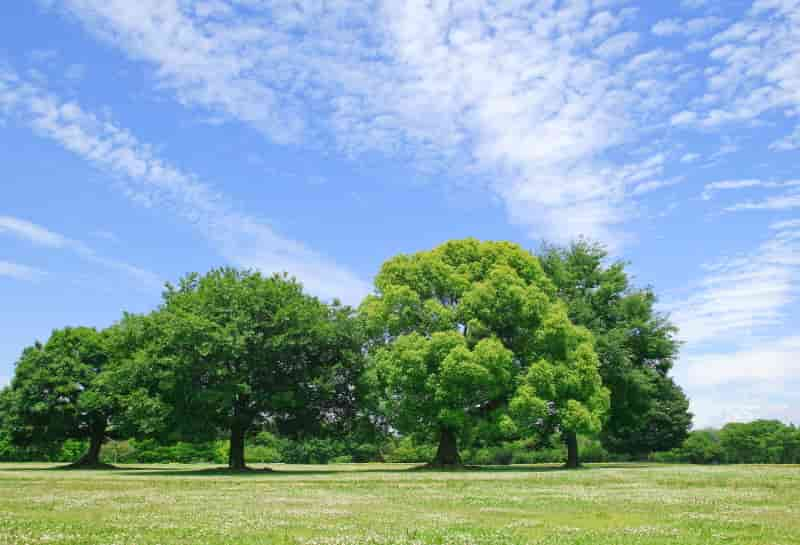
[
  {"x": 345, "y": 459},
  {"x": 406, "y": 451},
  {"x": 71, "y": 450},
  {"x": 258, "y": 454},
  {"x": 366, "y": 452}
]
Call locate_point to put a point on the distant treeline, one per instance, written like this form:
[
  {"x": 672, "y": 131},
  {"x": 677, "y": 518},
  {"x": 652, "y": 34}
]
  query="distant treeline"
[{"x": 758, "y": 442}]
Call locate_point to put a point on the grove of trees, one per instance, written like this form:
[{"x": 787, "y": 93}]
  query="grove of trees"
[
  {"x": 757, "y": 442},
  {"x": 470, "y": 346}
]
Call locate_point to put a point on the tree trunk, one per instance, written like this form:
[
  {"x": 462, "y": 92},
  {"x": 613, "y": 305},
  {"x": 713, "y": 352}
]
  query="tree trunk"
[
  {"x": 447, "y": 453},
  {"x": 236, "y": 454},
  {"x": 91, "y": 459},
  {"x": 571, "y": 438}
]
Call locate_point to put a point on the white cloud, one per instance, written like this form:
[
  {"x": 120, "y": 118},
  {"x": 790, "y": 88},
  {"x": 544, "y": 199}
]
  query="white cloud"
[
  {"x": 787, "y": 224},
  {"x": 690, "y": 158},
  {"x": 715, "y": 406},
  {"x": 786, "y": 201},
  {"x": 747, "y": 381},
  {"x": 150, "y": 181},
  {"x": 710, "y": 189},
  {"x": 694, "y": 4},
  {"x": 701, "y": 25},
  {"x": 20, "y": 272},
  {"x": 617, "y": 45},
  {"x": 530, "y": 99},
  {"x": 788, "y": 143},
  {"x": 683, "y": 118},
  {"x": 31, "y": 232},
  {"x": 654, "y": 185},
  {"x": 756, "y": 68},
  {"x": 772, "y": 361},
  {"x": 713, "y": 187},
  {"x": 742, "y": 295},
  {"x": 41, "y": 236},
  {"x": 668, "y": 27},
  {"x": 691, "y": 27}
]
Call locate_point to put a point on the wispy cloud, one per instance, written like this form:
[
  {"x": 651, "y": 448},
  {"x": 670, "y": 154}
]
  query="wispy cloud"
[
  {"x": 772, "y": 361},
  {"x": 691, "y": 27},
  {"x": 789, "y": 142},
  {"x": 151, "y": 181},
  {"x": 529, "y": 101},
  {"x": 41, "y": 236},
  {"x": 737, "y": 364},
  {"x": 20, "y": 272},
  {"x": 715, "y": 187},
  {"x": 786, "y": 201},
  {"x": 694, "y": 4},
  {"x": 716, "y": 405},
  {"x": 755, "y": 66},
  {"x": 742, "y": 295},
  {"x": 745, "y": 381},
  {"x": 32, "y": 232}
]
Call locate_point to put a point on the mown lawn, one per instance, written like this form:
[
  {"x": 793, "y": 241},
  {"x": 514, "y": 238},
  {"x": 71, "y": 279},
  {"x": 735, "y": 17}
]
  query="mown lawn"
[{"x": 388, "y": 504}]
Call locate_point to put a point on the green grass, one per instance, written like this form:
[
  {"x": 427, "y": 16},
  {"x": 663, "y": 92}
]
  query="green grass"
[{"x": 387, "y": 504}]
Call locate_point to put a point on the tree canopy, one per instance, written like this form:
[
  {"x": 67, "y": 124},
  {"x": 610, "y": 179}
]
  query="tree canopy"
[
  {"x": 470, "y": 343},
  {"x": 58, "y": 393},
  {"x": 453, "y": 328},
  {"x": 234, "y": 348},
  {"x": 636, "y": 346}
]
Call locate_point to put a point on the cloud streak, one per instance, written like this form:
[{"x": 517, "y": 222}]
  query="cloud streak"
[
  {"x": 737, "y": 365},
  {"x": 41, "y": 236},
  {"x": 528, "y": 102},
  {"x": 740, "y": 296},
  {"x": 715, "y": 187},
  {"x": 20, "y": 272},
  {"x": 151, "y": 181}
]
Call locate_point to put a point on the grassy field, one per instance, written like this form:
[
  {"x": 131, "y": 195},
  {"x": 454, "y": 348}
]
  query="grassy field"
[{"x": 388, "y": 504}]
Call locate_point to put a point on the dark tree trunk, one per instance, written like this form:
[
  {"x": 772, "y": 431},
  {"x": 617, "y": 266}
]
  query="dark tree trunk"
[
  {"x": 236, "y": 454},
  {"x": 447, "y": 454},
  {"x": 92, "y": 456},
  {"x": 571, "y": 438}
]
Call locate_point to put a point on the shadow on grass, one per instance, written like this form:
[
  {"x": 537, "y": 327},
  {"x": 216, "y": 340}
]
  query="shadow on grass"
[
  {"x": 69, "y": 468},
  {"x": 288, "y": 471},
  {"x": 284, "y": 471}
]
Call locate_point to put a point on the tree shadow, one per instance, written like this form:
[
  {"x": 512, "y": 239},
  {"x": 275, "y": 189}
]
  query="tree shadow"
[
  {"x": 288, "y": 471},
  {"x": 271, "y": 471},
  {"x": 70, "y": 468}
]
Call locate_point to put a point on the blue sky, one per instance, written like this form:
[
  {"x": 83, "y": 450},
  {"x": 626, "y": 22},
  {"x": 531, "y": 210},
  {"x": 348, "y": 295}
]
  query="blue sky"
[{"x": 143, "y": 140}]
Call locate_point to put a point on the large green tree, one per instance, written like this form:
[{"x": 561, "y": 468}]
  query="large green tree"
[
  {"x": 58, "y": 392},
  {"x": 562, "y": 390},
  {"x": 232, "y": 349},
  {"x": 636, "y": 346},
  {"x": 456, "y": 329}
]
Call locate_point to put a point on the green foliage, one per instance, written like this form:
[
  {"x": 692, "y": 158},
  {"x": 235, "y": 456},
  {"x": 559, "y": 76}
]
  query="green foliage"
[
  {"x": 451, "y": 330},
  {"x": 564, "y": 391},
  {"x": 549, "y": 451},
  {"x": 761, "y": 441},
  {"x": 58, "y": 393},
  {"x": 405, "y": 450},
  {"x": 757, "y": 442},
  {"x": 636, "y": 348},
  {"x": 233, "y": 348}
]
